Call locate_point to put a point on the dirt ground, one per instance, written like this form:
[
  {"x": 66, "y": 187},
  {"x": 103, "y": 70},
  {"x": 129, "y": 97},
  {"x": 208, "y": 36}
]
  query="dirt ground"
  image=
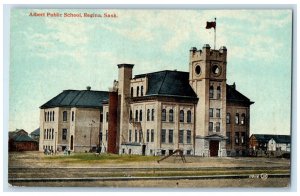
[{"x": 35, "y": 164}]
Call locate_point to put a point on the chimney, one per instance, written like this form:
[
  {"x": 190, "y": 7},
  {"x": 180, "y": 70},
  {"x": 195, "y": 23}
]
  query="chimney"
[
  {"x": 88, "y": 88},
  {"x": 233, "y": 85}
]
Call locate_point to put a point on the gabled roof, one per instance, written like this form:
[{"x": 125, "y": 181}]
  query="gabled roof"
[
  {"x": 17, "y": 132},
  {"x": 36, "y": 132},
  {"x": 77, "y": 98},
  {"x": 267, "y": 137},
  {"x": 168, "y": 83},
  {"x": 235, "y": 96},
  {"x": 23, "y": 138}
]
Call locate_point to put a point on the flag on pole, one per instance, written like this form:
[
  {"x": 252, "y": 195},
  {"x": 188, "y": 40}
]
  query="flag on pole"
[{"x": 210, "y": 25}]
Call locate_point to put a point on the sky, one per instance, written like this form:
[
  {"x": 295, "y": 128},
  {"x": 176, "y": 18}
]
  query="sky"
[{"x": 52, "y": 54}]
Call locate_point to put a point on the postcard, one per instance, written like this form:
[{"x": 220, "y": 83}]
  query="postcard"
[{"x": 186, "y": 98}]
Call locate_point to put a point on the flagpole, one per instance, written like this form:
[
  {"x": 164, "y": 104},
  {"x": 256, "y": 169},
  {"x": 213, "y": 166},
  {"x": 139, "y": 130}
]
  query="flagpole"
[{"x": 215, "y": 33}]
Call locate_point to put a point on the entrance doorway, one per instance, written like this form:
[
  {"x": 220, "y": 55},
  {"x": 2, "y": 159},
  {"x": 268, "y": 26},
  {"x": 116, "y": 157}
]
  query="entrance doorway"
[
  {"x": 143, "y": 150},
  {"x": 213, "y": 148}
]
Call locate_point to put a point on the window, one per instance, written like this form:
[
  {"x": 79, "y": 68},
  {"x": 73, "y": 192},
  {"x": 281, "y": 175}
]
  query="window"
[
  {"x": 188, "y": 152},
  {"x": 211, "y": 112},
  {"x": 181, "y": 132},
  {"x": 152, "y": 135},
  {"x": 65, "y": 116},
  {"x": 130, "y": 115},
  {"x": 217, "y": 127},
  {"x": 218, "y": 113},
  {"x": 181, "y": 116},
  {"x": 130, "y": 135},
  {"x": 64, "y": 134},
  {"x": 45, "y": 116},
  {"x": 136, "y": 115},
  {"x": 211, "y": 92},
  {"x": 163, "y": 136},
  {"x": 228, "y": 141},
  {"x": 100, "y": 136},
  {"x": 53, "y": 116},
  {"x": 148, "y": 134},
  {"x": 101, "y": 117},
  {"x": 50, "y": 116},
  {"x": 170, "y": 136},
  {"x": 189, "y": 116},
  {"x": 152, "y": 115},
  {"x": 218, "y": 92},
  {"x": 237, "y": 118},
  {"x": 140, "y": 135},
  {"x": 72, "y": 116},
  {"x": 106, "y": 116},
  {"x": 163, "y": 115},
  {"x": 142, "y": 91},
  {"x": 141, "y": 115},
  {"x": 52, "y": 135},
  {"x": 242, "y": 138},
  {"x": 243, "y": 119},
  {"x": 131, "y": 92},
  {"x": 170, "y": 115},
  {"x": 163, "y": 152},
  {"x": 228, "y": 118},
  {"x": 106, "y": 135},
  {"x": 45, "y": 134},
  {"x": 236, "y": 138},
  {"x": 135, "y": 136},
  {"x": 137, "y": 91},
  {"x": 148, "y": 115},
  {"x": 188, "y": 136},
  {"x": 211, "y": 126}
]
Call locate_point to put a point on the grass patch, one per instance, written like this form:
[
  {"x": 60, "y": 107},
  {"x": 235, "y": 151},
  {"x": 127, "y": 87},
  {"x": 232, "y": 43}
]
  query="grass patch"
[{"x": 88, "y": 157}]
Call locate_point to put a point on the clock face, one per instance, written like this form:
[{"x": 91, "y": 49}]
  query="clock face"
[
  {"x": 216, "y": 70},
  {"x": 198, "y": 70}
]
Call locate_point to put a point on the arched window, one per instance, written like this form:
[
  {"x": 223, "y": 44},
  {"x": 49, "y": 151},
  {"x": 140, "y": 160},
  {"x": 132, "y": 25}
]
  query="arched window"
[
  {"x": 142, "y": 91},
  {"x": 52, "y": 134},
  {"x": 243, "y": 119},
  {"x": 64, "y": 115},
  {"x": 45, "y": 116},
  {"x": 136, "y": 115},
  {"x": 211, "y": 92},
  {"x": 141, "y": 115},
  {"x": 130, "y": 115},
  {"x": 53, "y": 116},
  {"x": 131, "y": 92},
  {"x": 181, "y": 116},
  {"x": 189, "y": 116},
  {"x": 152, "y": 115},
  {"x": 163, "y": 115},
  {"x": 228, "y": 118},
  {"x": 237, "y": 118},
  {"x": 72, "y": 116},
  {"x": 48, "y": 115},
  {"x": 148, "y": 114},
  {"x": 218, "y": 92},
  {"x": 137, "y": 91},
  {"x": 171, "y": 115},
  {"x": 45, "y": 134}
]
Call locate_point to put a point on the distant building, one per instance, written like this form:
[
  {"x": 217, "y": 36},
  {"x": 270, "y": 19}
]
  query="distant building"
[
  {"x": 154, "y": 113},
  {"x": 20, "y": 141},
  {"x": 35, "y": 135},
  {"x": 270, "y": 142}
]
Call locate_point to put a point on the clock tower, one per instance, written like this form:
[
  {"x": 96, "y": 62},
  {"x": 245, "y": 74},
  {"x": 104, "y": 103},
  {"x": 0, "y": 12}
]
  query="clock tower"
[{"x": 207, "y": 77}]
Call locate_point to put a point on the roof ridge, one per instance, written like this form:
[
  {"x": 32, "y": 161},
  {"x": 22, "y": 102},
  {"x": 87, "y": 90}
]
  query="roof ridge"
[
  {"x": 162, "y": 82},
  {"x": 79, "y": 97}
]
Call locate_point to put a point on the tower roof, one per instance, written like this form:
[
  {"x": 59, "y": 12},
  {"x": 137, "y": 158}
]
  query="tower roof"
[{"x": 168, "y": 83}]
